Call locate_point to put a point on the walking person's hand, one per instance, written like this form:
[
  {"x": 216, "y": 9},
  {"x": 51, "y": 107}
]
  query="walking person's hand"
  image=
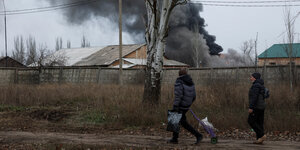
[{"x": 250, "y": 111}]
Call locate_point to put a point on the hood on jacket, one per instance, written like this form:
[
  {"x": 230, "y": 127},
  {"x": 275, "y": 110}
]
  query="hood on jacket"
[
  {"x": 187, "y": 79},
  {"x": 260, "y": 81}
]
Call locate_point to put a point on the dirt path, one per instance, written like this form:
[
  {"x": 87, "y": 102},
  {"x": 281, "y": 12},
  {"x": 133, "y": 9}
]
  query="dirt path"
[{"x": 103, "y": 141}]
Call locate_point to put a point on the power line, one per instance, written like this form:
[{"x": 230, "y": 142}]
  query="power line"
[
  {"x": 48, "y": 8},
  {"x": 207, "y": 3},
  {"x": 243, "y": 2},
  {"x": 229, "y": 5},
  {"x": 271, "y": 3}
]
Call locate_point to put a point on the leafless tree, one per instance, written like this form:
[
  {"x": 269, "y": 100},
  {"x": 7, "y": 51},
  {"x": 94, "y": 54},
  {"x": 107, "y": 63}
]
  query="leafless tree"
[
  {"x": 84, "y": 42},
  {"x": 19, "y": 49},
  {"x": 290, "y": 51},
  {"x": 47, "y": 57},
  {"x": 265, "y": 62},
  {"x": 158, "y": 15},
  {"x": 31, "y": 51},
  {"x": 255, "y": 58},
  {"x": 68, "y": 44},
  {"x": 58, "y": 43},
  {"x": 247, "y": 49},
  {"x": 198, "y": 48},
  {"x": 43, "y": 53}
]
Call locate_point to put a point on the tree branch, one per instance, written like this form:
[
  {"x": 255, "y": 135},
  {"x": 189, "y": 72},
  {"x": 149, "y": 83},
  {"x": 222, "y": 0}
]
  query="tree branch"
[{"x": 178, "y": 2}]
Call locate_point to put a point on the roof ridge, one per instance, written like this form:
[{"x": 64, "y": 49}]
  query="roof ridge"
[
  {"x": 285, "y": 43},
  {"x": 278, "y": 51},
  {"x": 103, "y": 46}
]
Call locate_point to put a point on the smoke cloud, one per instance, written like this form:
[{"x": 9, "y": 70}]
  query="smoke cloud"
[
  {"x": 183, "y": 21},
  {"x": 133, "y": 12}
]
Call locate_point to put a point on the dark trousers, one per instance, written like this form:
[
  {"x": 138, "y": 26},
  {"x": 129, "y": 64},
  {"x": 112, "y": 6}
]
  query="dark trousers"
[
  {"x": 187, "y": 126},
  {"x": 256, "y": 121}
]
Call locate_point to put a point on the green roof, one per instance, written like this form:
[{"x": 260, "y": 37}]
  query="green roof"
[{"x": 279, "y": 51}]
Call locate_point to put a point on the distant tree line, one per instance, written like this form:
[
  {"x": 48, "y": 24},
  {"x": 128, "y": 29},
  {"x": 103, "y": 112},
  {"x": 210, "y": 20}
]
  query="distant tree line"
[{"x": 28, "y": 52}]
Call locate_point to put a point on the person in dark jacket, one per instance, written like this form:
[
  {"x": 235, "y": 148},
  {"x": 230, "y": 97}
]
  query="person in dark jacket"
[
  {"x": 185, "y": 95},
  {"x": 257, "y": 107}
]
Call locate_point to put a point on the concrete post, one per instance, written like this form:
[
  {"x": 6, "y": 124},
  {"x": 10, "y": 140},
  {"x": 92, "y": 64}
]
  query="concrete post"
[
  {"x": 60, "y": 77},
  {"x": 16, "y": 76},
  {"x": 78, "y": 80},
  {"x": 98, "y": 75}
]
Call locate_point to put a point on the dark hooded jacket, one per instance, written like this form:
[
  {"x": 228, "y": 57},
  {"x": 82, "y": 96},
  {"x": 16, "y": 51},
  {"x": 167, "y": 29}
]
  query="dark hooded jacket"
[
  {"x": 185, "y": 93},
  {"x": 256, "y": 95}
]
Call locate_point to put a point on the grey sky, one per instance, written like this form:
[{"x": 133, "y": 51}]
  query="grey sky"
[
  {"x": 230, "y": 25},
  {"x": 233, "y": 25},
  {"x": 46, "y": 26}
]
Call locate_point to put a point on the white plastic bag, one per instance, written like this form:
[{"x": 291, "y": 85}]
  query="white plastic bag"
[{"x": 208, "y": 124}]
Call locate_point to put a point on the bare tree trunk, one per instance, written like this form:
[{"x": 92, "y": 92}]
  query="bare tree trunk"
[
  {"x": 31, "y": 51},
  {"x": 290, "y": 70},
  {"x": 68, "y": 44},
  {"x": 196, "y": 47},
  {"x": 19, "y": 49},
  {"x": 289, "y": 24},
  {"x": 256, "y": 52},
  {"x": 156, "y": 33}
]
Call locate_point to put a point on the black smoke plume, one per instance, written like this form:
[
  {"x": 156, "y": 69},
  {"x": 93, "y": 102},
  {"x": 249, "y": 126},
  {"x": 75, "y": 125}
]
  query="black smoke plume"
[{"x": 182, "y": 24}]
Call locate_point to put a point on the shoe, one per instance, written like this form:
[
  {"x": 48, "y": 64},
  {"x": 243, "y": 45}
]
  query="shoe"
[
  {"x": 258, "y": 141},
  {"x": 264, "y": 138},
  {"x": 173, "y": 141},
  {"x": 199, "y": 139}
]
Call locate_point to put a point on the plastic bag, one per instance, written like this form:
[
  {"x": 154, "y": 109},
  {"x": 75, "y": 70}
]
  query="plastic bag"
[
  {"x": 174, "y": 121},
  {"x": 206, "y": 123}
]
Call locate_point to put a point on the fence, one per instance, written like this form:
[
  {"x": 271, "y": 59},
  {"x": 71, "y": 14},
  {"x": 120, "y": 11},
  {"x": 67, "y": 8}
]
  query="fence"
[{"x": 86, "y": 75}]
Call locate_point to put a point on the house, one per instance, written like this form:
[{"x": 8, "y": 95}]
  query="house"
[
  {"x": 69, "y": 56},
  {"x": 133, "y": 56},
  {"x": 108, "y": 56},
  {"x": 277, "y": 55},
  {"x": 10, "y": 62},
  {"x": 137, "y": 59}
]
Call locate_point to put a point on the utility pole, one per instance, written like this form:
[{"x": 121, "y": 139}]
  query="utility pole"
[
  {"x": 256, "y": 51},
  {"x": 5, "y": 34},
  {"x": 120, "y": 43}
]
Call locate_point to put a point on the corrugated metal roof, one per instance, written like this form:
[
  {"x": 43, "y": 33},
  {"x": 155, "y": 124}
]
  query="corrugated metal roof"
[
  {"x": 72, "y": 56},
  {"x": 102, "y": 56},
  {"x": 167, "y": 62},
  {"x": 279, "y": 51},
  {"x": 124, "y": 66},
  {"x": 108, "y": 55},
  {"x": 136, "y": 61}
]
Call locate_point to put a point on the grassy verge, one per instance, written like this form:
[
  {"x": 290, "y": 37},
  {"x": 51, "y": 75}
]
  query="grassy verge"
[{"x": 224, "y": 104}]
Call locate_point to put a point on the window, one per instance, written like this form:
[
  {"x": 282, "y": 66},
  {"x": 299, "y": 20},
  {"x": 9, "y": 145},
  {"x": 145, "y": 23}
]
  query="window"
[{"x": 272, "y": 63}]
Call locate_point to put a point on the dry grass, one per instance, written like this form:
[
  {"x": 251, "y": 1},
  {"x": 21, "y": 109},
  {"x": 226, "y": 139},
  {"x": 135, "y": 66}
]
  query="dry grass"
[{"x": 225, "y": 104}]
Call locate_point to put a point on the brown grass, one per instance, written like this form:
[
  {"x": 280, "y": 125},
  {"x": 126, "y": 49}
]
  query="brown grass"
[{"x": 224, "y": 104}]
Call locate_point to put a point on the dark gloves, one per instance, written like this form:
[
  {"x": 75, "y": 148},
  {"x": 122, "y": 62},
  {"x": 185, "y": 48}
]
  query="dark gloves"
[{"x": 175, "y": 109}]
